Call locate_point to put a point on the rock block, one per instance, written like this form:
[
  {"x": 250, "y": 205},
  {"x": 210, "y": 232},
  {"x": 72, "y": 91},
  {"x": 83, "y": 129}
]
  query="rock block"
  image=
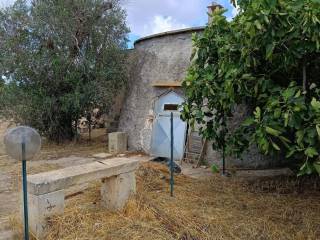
[
  {"x": 41, "y": 207},
  {"x": 117, "y": 142},
  {"x": 116, "y": 190}
]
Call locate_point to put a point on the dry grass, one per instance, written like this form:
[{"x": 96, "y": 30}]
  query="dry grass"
[
  {"x": 217, "y": 208},
  {"x": 81, "y": 148}
]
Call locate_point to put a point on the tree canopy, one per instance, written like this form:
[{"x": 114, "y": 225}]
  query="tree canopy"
[
  {"x": 59, "y": 59},
  {"x": 268, "y": 58}
]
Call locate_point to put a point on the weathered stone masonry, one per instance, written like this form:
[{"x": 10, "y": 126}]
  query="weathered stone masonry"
[
  {"x": 160, "y": 58},
  {"x": 165, "y": 58}
]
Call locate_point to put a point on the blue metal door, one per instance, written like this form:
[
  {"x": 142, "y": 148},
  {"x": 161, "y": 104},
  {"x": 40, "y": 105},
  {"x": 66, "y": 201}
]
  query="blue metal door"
[{"x": 160, "y": 143}]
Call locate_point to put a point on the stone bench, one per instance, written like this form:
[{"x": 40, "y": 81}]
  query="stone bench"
[{"x": 46, "y": 190}]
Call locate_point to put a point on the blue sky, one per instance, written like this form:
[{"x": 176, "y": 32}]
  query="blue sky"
[{"x": 147, "y": 17}]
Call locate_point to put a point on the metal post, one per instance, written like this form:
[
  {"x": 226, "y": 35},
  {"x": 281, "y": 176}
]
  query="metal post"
[
  {"x": 25, "y": 197},
  {"x": 171, "y": 159},
  {"x": 223, "y": 162},
  {"x": 224, "y": 147}
]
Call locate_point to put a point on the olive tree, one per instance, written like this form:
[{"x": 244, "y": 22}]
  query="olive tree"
[{"x": 59, "y": 59}]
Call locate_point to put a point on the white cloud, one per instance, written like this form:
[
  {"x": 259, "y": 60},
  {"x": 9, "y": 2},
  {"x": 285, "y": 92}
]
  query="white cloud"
[
  {"x": 154, "y": 16},
  {"x": 235, "y": 11},
  {"x": 6, "y": 3},
  {"x": 162, "y": 24}
]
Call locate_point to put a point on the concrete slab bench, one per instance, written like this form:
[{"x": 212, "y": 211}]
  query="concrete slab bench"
[{"x": 46, "y": 191}]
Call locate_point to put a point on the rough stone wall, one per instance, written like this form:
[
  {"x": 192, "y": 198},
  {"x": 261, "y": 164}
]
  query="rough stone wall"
[
  {"x": 162, "y": 59},
  {"x": 165, "y": 59},
  {"x": 251, "y": 159}
]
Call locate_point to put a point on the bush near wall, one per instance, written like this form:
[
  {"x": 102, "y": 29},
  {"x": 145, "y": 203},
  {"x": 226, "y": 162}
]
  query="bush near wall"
[{"x": 267, "y": 57}]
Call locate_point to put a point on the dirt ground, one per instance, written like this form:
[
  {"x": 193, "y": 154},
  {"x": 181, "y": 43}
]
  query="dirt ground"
[
  {"x": 211, "y": 208},
  {"x": 214, "y": 208}
]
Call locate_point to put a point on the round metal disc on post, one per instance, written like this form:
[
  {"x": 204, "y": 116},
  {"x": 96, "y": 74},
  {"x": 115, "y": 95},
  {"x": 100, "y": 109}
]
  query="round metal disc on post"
[
  {"x": 23, "y": 143},
  {"x": 16, "y": 136}
]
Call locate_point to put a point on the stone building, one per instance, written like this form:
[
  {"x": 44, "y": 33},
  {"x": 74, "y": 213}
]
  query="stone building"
[{"x": 161, "y": 63}]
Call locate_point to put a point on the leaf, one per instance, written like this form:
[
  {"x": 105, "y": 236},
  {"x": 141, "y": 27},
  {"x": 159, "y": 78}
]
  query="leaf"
[
  {"x": 273, "y": 132},
  {"x": 248, "y": 122},
  {"x": 311, "y": 152},
  {"x": 275, "y": 146},
  {"x": 186, "y": 108},
  {"x": 299, "y": 136},
  {"x": 285, "y": 139},
  {"x": 315, "y": 104},
  {"x": 306, "y": 168},
  {"x": 258, "y": 24},
  {"x": 193, "y": 54},
  {"x": 288, "y": 93},
  {"x": 318, "y": 130},
  {"x": 290, "y": 153},
  {"x": 257, "y": 114},
  {"x": 214, "y": 168},
  {"x": 286, "y": 119},
  {"x": 277, "y": 113},
  {"x": 296, "y": 109},
  {"x": 316, "y": 166},
  {"x": 246, "y": 76},
  {"x": 269, "y": 50},
  {"x": 263, "y": 143}
]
